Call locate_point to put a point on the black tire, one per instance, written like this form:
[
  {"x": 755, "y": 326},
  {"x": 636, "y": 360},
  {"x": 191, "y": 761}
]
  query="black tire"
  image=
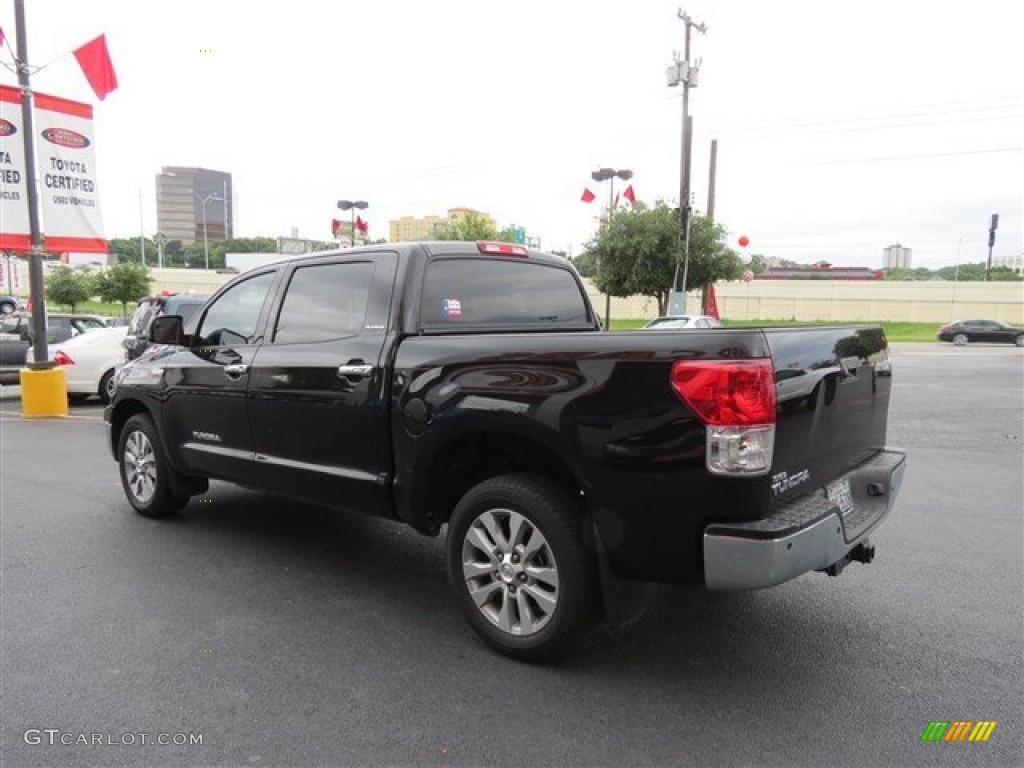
[
  {"x": 105, "y": 390},
  {"x": 545, "y": 590},
  {"x": 960, "y": 339},
  {"x": 145, "y": 473},
  {"x": 7, "y": 307}
]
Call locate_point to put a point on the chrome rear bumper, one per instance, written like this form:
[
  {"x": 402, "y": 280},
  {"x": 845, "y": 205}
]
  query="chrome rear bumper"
[{"x": 809, "y": 534}]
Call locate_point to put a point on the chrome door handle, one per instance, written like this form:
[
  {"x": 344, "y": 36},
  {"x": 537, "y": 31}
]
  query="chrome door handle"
[
  {"x": 236, "y": 370},
  {"x": 354, "y": 371}
]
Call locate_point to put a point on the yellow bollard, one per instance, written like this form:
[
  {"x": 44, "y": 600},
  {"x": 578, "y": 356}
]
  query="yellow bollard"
[{"x": 44, "y": 394}]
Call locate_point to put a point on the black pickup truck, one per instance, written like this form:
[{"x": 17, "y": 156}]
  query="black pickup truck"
[{"x": 470, "y": 385}]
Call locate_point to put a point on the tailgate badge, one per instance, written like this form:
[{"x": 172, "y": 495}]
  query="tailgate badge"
[{"x": 783, "y": 481}]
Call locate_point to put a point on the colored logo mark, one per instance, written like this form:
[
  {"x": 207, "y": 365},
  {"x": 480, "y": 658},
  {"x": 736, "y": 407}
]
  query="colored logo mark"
[{"x": 958, "y": 730}]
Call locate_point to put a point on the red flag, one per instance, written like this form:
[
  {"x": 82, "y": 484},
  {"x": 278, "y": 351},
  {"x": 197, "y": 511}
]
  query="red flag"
[
  {"x": 361, "y": 225},
  {"x": 712, "y": 308},
  {"x": 94, "y": 60},
  {"x": 629, "y": 194},
  {"x": 2, "y": 38},
  {"x": 587, "y": 196},
  {"x": 335, "y": 226}
]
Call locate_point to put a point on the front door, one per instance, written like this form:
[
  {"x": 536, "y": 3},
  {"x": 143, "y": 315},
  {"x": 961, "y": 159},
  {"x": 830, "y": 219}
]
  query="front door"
[{"x": 206, "y": 412}]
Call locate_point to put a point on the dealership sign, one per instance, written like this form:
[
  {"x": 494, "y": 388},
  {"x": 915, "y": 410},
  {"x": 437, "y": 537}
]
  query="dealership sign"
[{"x": 66, "y": 169}]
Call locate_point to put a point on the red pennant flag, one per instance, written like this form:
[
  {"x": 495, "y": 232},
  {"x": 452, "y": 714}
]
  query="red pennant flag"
[
  {"x": 335, "y": 226},
  {"x": 629, "y": 194},
  {"x": 361, "y": 225},
  {"x": 587, "y": 196},
  {"x": 94, "y": 59},
  {"x": 2, "y": 38},
  {"x": 712, "y": 307}
]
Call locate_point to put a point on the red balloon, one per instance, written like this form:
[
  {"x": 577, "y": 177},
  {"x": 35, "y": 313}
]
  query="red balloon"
[{"x": 744, "y": 241}]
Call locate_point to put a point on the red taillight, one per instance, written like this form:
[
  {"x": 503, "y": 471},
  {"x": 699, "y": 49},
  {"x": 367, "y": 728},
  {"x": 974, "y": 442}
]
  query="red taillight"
[
  {"x": 727, "y": 392},
  {"x": 503, "y": 249},
  {"x": 61, "y": 357}
]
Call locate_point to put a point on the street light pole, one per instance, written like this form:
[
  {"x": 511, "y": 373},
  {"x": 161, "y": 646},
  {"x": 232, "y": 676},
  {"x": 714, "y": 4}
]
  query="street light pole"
[
  {"x": 206, "y": 241},
  {"x": 609, "y": 174},
  {"x": 351, "y": 205}
]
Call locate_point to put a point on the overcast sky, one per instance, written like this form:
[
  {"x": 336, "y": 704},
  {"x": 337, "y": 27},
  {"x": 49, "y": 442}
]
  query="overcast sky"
[{"x": 842, "y": 128}]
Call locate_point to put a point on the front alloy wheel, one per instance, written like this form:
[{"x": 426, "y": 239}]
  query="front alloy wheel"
[
  {"x": 145, "y": 474},
  {"x": 517, "y": 561}
]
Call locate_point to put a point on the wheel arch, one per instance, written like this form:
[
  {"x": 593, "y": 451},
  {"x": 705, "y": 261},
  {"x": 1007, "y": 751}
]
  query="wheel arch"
[{"x": 427, "y": 498}]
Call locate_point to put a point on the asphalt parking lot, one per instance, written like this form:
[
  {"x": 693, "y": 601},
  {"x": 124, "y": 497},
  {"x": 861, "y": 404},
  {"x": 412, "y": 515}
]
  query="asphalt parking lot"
[{"x": 283, "y": 634}]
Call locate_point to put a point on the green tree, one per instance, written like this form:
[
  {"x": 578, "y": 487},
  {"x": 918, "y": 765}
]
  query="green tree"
[
  {"x": 640, "y": 249},
  {"x": 123, "y": 282},
  {"x": 472, "y": 227},
  {"x": 586, "y": 264},
  {"x": 758, "y": 264},
  {"x": 69, "y": 286}
]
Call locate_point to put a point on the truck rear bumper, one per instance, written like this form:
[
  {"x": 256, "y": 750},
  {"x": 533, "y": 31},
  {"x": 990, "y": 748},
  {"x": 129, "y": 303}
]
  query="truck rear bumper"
[{"x": 808, "y": 534}]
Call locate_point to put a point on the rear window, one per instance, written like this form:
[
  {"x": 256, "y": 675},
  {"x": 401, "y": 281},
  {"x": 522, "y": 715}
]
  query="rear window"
[{"x": 489, "y": 292}]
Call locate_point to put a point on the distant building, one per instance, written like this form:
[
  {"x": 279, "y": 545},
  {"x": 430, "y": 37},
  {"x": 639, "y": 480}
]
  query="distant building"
[
  {"x": 193, "y": 204},
  {"x": 1016, "y": 263},
  {"x": 896, "y": 257},
  {"x": 409, "y": 228}
]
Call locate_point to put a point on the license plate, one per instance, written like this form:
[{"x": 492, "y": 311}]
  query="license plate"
[{"x": 839, "y": 494}]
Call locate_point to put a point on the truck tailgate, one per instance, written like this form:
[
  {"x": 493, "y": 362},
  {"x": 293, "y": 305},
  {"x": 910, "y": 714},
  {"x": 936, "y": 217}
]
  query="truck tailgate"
[{"x": 832, "y": 390}]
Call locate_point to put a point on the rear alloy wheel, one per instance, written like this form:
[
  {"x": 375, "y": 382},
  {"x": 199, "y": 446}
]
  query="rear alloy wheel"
[
  {"x": 960, "y": 339},
  {"x": 145, "y": 474},
  {"x": 518, "y": 565}
]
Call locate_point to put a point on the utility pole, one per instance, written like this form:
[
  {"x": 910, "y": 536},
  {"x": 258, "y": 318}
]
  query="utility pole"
[{"x": 682, "y": 73}]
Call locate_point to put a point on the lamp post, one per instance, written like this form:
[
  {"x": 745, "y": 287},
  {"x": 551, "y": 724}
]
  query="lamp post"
[
  {"x": 351, "y": 205},
  {"x": 206, "y": 240},
  {"x": 609, "y": 174}
]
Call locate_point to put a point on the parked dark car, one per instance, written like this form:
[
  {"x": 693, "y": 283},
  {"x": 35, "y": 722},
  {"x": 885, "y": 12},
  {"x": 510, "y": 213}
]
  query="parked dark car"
[
  {"x": 968, "y": 331},
  {"x": 152, "y": 307}
]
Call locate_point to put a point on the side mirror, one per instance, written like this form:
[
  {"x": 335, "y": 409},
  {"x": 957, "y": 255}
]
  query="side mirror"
[{"x": 167, "y": 329}]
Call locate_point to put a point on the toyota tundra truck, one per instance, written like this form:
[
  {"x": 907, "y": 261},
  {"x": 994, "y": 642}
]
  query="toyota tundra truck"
[{"x": 469, "y": 388}]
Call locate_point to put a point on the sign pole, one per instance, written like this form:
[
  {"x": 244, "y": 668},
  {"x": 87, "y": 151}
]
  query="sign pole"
[{"x": 36, "y": 288}]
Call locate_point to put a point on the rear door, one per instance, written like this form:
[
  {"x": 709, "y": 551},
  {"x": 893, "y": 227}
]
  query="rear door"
[{"x": 316, "y": 392}]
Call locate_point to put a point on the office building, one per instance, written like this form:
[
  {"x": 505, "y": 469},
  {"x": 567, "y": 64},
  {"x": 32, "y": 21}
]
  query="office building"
[{"x": 193, "y": 204}]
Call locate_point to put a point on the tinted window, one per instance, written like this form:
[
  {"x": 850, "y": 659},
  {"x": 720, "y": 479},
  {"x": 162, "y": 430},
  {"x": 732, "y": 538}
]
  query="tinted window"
[
  {"x": 476, "y": 292},
  {"x": 234, "y": 315},
  {"x": 325, "y": 301}
]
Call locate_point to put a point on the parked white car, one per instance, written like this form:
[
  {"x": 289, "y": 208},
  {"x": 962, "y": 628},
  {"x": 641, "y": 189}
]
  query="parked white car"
[{"x": 90, "y": 361}]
